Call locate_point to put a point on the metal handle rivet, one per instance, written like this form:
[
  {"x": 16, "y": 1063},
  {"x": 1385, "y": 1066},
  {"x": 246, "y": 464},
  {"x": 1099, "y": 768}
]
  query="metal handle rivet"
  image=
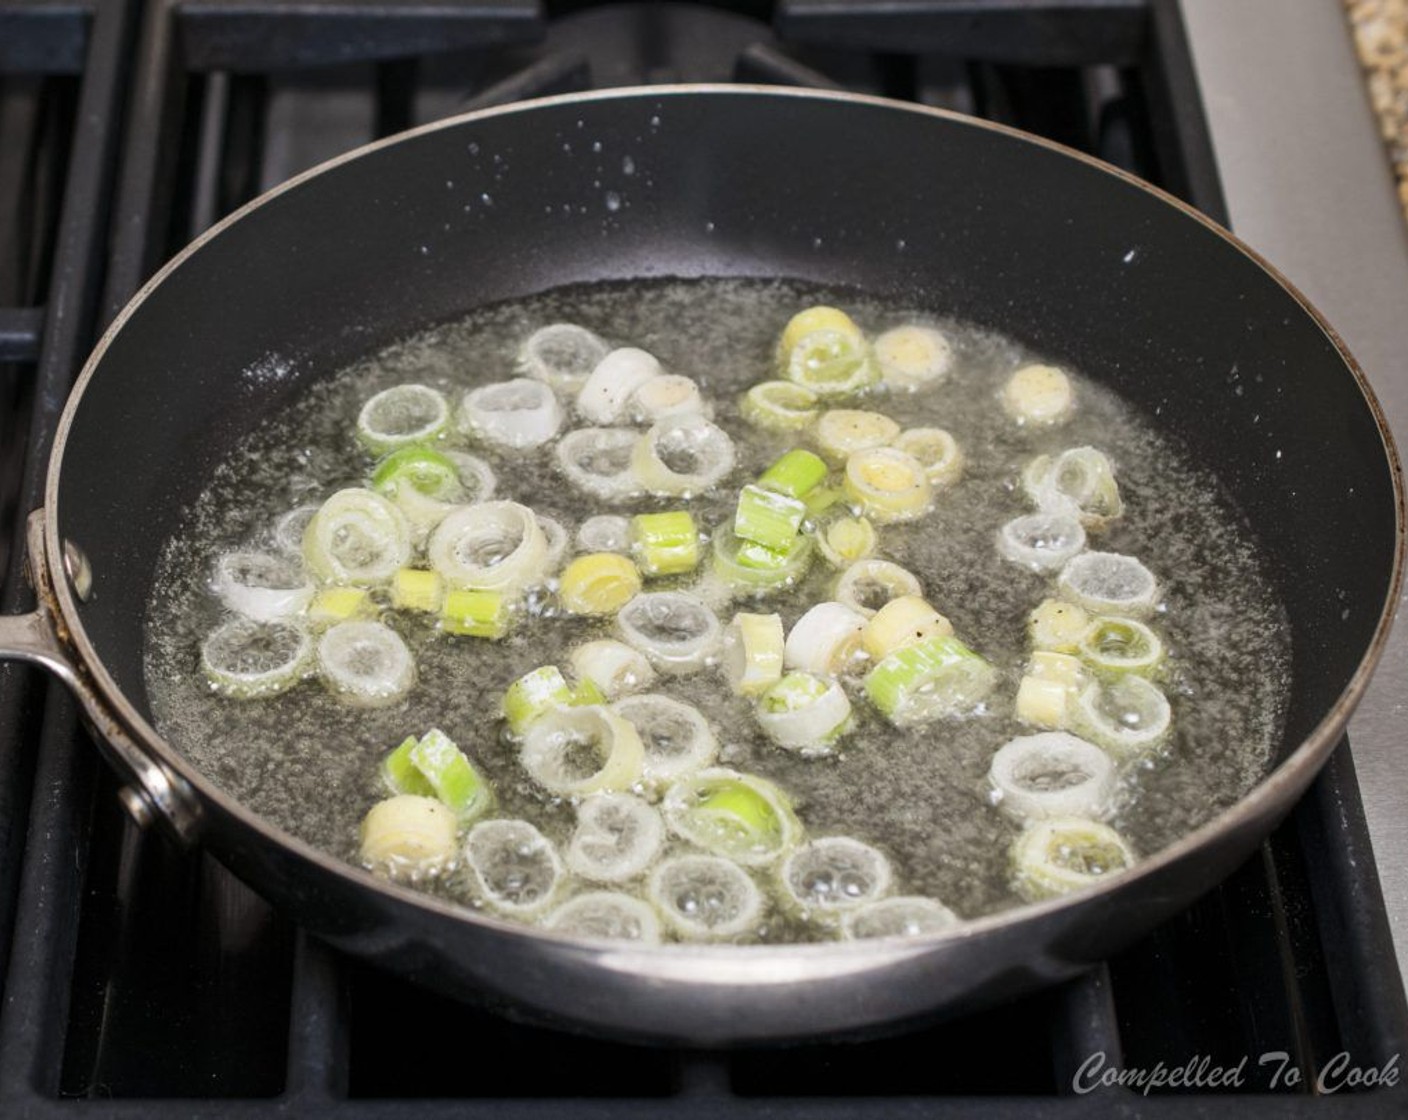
[
  {"x": 137, "y": 804},
  {"x": 78, "y": 571}
]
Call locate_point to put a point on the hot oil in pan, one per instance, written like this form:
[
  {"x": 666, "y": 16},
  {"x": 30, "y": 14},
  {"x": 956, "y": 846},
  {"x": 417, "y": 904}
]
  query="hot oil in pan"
[{"x": 310, "y": 765}]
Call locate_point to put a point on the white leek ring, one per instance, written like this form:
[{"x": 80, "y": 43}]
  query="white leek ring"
[
  {"x": 1052, "y": 774},
  {"x": 804, "y": 713},
  {"x": 675, "y": 630},
  {"x": 901, "y": 916},
  {"x": 249, "y": 660},
  {"x": 676, "y": 737},
  {"x": 356, "y": 537},
  {"x": 402, "y": 415},
  {"x": 705, "y": 898},
  {"x": 913, "y": 357},
  {"x": 684, "y": 455},
  {"x": 670, "y": 394},
  {"x": 606, "y": 532},
  {"x": 936, "y": 451},
  {"x": 562, "y": 354},
  {"x": 888, "y": 484},
  {"x": 1109, "y": 583},
  {"x": 613, "y": 383},
  {"x": 613, "y": 667},
  {"x": 1127, "y": 717},
  {"x": 366, "y": 664},
  {"x": 515, "y": 414},
  {"x": 572, "y": 751},
  {"x": 492, "y": 546},
  {"x": 826, "y": 641},
  {"x": 1042, "y": 541},
  {"x": 515, "y": 867},
  {"x": 262, "y": 585},
  {"x": 617, "y": 837},
  {"x": 599, "y": 462},
  {"x": 834, "y": 874},
  {"x": 1054, "y": 857},
  {"x": 739, "y": 816}
]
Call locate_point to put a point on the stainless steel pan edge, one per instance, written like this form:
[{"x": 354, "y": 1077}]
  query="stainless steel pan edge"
[{"x": 696, "y": 994}]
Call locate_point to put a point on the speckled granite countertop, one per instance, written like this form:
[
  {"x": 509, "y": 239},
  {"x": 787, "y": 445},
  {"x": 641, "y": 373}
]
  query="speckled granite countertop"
[{"x": 1381, "y": 38}]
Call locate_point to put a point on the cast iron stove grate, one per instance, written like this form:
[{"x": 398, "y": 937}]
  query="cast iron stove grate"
[{"x": 142, "y": 981}]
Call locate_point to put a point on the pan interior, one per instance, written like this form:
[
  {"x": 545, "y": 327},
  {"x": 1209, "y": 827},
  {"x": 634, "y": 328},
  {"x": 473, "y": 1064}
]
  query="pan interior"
[
  {"x": 1067, "y": 259},
  {"x": 310, "y": 764}
]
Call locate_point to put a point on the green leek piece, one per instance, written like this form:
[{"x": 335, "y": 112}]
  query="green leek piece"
[
  {"x": 428, "y": 471},
  {"x": 415, "y": 590},
  {"x": 936, "y": 677},
  {"x": 665, "y": 544},
  {"x": 768, "y": 518},
  {"x": 1112, "y": 646},
  {"x": 535, "y": 694},
  {"x": 796, "y": 474},
  {"x": 433, "y": 766},
  {"x": 401, "y": 773},
  {"x": 477, "y": 614},
  {"x": 750, "y": 567}
]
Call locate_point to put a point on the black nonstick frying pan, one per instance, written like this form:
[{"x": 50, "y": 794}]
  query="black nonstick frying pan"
[{"x": 1076, "y": 260}]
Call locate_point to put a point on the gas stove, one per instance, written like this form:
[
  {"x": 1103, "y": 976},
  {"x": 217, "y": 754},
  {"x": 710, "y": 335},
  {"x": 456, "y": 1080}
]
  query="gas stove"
[{"x": 145, "y": 981}]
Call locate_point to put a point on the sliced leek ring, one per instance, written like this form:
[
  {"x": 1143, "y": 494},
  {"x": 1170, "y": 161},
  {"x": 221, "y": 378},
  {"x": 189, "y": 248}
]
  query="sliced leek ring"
[
  {"x": 408, "y": 837},
  {"x": 675, "y": 630},
  {"x": 516, "y": 869},
  {"x": 901, "y": 916},
  {"x": 515, "y": 414},
  {"x": 477, "y": 478},
  {"x": 599, "y": 583},
  {"x": 804, "y": 713},
  {"x": 817, "y": 318},
  {"x": 606, "y": 916},
  {"x": 841, "y": 432},
  {"x": 682, "y": 456},
  {"x": 932, "y": 679},
  {"x": 613, "y": 667},
  {"x": 1111, "y": 646},
  {"x": 902, "y": 622},
  {"x": 598, "y": 461},
  {"x": 248, "y": 660},
  {"x": 263, "y": 586},
  {"x": 831, "y": 363},
  {"x": 936, "y": 451},
  {"x": 705, "y": 898},
  {"x": 741, "y": 817},
  {"x": 492, "y": 546},
  {"x": 1054, "y": 857},
  {"x": 555, "y": 537},
  {"x": 615, "y": 380},
  {"x": 845, "y": 540},
  {"x": 868, "y": 585},
  {"x": 1038, "y": 396},
  {"x": 1109, "y": 583},
  {"x": 618, "y": 836},
  {"x": 562, "y": 354},
  {"x": 1081, "y": 480},
  {"x": 826, "y": 641},
  {"x": 1042, "y": 541},
  {"x": 356, "y": 537},
  {"x": 747, "y": 568},
  {"x": 1128, "y": 716},
  {"x": 888, "y": 484},
  {"x": 571, "y": 751},
  {"x": 366, "y": 664},
  {"x": 668, "y": 395},
  {"x": 289, "y": 529},
  {"x": 754, "y": 647},
  {"x": 676, "y": 738},
  {"x": 1052, "y": 774},
  {"x": 834, "y": 874},
  {"x": 913, "y": 357},
  {"x": 402, "y": 415},
  {"x": 779, "y": 406},
  {"x": 1057, "y": 626}
]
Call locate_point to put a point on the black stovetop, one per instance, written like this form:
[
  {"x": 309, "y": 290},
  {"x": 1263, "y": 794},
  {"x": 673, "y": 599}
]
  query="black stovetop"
[{"x": 150, "y": 982}]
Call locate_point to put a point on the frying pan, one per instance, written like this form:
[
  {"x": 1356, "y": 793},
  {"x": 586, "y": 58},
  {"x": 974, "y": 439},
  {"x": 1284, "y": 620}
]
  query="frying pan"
[{"x": 1075, "y": 259}]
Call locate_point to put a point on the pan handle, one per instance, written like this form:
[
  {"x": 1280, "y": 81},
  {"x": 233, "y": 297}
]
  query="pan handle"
[{"x": 150, "y": 792}]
